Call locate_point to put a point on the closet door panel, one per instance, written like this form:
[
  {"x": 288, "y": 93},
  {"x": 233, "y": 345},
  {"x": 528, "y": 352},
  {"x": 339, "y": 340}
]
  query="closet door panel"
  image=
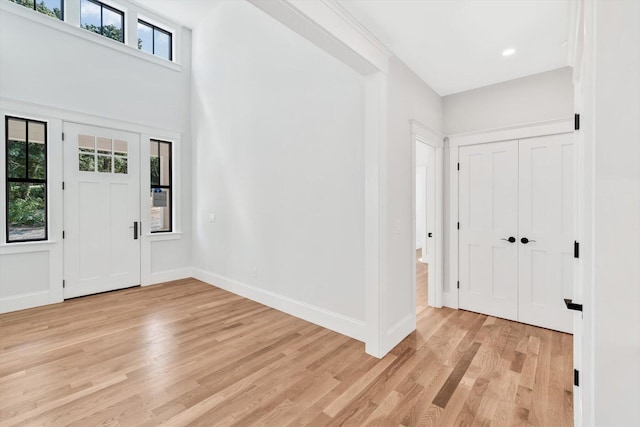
[
  {"x": 546, "y": 221},
  {"x": 488, "y": 213}
]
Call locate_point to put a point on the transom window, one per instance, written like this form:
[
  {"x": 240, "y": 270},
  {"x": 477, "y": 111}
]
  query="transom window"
[
  {"x": 154, "y": 40},
  {"x": 26, "y": 180},
  {"x": 102, "y": 19},
  {"x": 97, "y": 154},
  {"x": 53, "y": 8},
  {"x": 161, "y": 186}
]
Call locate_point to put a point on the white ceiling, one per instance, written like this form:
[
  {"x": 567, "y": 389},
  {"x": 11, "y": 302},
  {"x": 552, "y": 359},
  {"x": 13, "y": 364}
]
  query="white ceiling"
[
  {"x": 453, "y": 45},
  {"x": 456, "y": 45}
]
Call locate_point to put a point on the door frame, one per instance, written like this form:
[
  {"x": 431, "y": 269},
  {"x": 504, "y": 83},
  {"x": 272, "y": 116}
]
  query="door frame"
[
  {"x": 421, "y": 133},
  {"x": 55, "y": 117},
  {"x": 530, "y": 130},
  {"x": 136, "y": 183}
]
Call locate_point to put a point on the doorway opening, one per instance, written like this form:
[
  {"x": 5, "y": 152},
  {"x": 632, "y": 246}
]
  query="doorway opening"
[
  {"x": 427, "y": 211},
  {"x": 425, "y": 222}
]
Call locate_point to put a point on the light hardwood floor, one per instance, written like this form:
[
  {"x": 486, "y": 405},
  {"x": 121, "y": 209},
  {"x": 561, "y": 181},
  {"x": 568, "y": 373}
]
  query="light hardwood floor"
[{"x": 186, "y": 353}]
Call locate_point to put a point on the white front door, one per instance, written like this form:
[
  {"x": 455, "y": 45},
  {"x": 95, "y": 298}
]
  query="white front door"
[
  {"x": 546, "y": 231},
  {"x": 101, "y": 210},
  {"x": 488, "y": 213}
]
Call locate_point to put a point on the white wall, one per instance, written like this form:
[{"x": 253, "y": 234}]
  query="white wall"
[
  {"x": 62, "y": 71},
  {"x": 612, "y": 267},
  {"x": 278, "y": 126},
  {"x": 408, "y": 98},
  {"x": 536, "y": 98}
]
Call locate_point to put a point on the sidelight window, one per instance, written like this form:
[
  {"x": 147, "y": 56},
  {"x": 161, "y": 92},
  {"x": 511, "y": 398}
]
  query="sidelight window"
[
  {"x": 161, "y": 186},
  {"x": 26, "y": 180}
]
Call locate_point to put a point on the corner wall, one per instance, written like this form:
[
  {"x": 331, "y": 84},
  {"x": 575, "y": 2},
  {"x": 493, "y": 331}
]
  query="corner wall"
[
  {"x": 278, "y": 126},
  {"x": 409, "y": 98}
]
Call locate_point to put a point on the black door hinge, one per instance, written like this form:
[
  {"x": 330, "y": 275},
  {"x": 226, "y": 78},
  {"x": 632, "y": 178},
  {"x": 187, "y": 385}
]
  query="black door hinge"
[
  {"x": 576, "y": 378},
  {"x": 63, "y": 234},
  {"x": 458, "y": 284},
  {"x": 576, "y": 121},
  {"x": 576, "y": 249},
  {"x": 63, "y": 136},
  {"x": 458, "y": 165},
  {"x": 63, "y": 284},
  {"x": 458, "y": 225},
  {"x": 63, "y": 185}
]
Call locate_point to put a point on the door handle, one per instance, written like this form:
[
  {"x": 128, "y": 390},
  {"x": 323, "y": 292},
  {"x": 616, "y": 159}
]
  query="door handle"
[
  {"x": 511, "y": 239},
  {"x": 135, "y": 230},
  {"x": 572, "y": 305},
  {"x": 429, "y": 234},
  {"x": 524, "y": 240}
]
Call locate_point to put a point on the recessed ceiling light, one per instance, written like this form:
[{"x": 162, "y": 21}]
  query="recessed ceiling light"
[{"x": 508, "y": 52}]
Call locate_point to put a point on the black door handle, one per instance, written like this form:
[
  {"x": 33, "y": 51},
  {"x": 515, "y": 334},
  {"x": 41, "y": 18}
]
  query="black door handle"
[
  {"x": 524, "y": 240},
  {"x": 511, "y": 239},
  {"x": 430, "y": 235},
  {"x": 135, "y": 230},
  {"x": 572, "y": 305}
]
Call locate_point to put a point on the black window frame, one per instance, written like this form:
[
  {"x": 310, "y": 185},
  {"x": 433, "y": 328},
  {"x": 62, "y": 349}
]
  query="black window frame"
[
  {"x": 26, "y": 180},
  {"x": 35, "y": 7},
  {"x": 111, "y": 8},
  {"x": 160, "y": 186},
  {"x": 155, "y": 28}
]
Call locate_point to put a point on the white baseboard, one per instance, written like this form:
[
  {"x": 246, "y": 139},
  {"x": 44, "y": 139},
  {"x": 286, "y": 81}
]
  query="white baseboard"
[
  {"x": 345, "y": 325},
  {"x": 24, "y": 301},
  {"x": 398, "y": 332},
  {"x": 169, "y": 275}
]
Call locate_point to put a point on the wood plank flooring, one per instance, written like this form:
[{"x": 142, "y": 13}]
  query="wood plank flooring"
[{"x": 186, "y": 353}]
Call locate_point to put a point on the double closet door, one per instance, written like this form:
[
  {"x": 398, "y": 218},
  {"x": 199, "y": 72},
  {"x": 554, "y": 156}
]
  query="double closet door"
[{"x": 516, "y": 229}]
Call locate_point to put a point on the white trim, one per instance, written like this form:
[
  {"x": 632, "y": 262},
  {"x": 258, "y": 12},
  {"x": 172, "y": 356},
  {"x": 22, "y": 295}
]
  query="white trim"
[
  {"x": 330, "y": 27},
  {"x": 159, "y": 237},
  {"x": 375, "y": 214},
  {"x": 528, "y": 130},
  {"x": 169, "y": 276},
  {"x": 53, "y": 246},
  {"x": 398, "y": 332},
  {"x": 345, "y": 325},
  {"x": 553, "y": 127},
  {"x": 69, "y": 28},
  {"x": 71, "y": 116},
  {"x": 24, "y": 301},
  {"x": 425, "y": 135},
  {"x": 435, "y": 138}
]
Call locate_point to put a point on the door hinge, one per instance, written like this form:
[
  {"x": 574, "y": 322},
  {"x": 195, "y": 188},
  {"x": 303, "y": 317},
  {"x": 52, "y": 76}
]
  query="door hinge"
[
  {"x": 458, "y": 165},
  {"x": 576, "y": 249},
  {"x": 576, "y": 121},
  {"x": 458, "y": 284},
  {"x": 576, "y": 378},
  {"x": 63, "y": 136},
  {"x": 64, "y": 284},
  {"x": 458, "y": 225},
  {"x": 63, "y": 185},
  {"x": 63, "y": 234}
]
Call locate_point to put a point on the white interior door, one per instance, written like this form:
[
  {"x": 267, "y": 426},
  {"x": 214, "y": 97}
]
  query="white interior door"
[
  {"x": 101, "y": 210},
  {"x": 488, "y": 213},
  {"x": 430, "y": 210},
  {"x": 546, "y": 231}
]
